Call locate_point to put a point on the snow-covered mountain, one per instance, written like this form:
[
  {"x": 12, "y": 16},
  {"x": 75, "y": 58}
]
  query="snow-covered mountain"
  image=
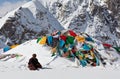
[
  {"x": 27, "y": 22},
  {"x": 99, "y": 18}
]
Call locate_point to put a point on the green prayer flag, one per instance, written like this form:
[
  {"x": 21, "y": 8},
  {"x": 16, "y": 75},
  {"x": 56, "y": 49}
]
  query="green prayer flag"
[
  {"x": 70, "y": 40},
  {"x": 38, "y": 40},
  {"x": 117, "y": 49}
]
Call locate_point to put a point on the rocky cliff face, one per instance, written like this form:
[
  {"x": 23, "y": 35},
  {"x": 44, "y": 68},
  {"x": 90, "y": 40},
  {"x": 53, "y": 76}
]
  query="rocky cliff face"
[
  {"x": 114, "y": 6},
  {"x": 99, "y": 18},
  {"x": 28, "y": 22}
]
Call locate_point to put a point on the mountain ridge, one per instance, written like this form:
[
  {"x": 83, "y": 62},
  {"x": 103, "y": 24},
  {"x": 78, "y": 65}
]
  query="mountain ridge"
[{"x": 27, "y": 22}]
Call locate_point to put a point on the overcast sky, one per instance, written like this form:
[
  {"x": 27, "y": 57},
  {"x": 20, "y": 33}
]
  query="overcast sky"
[{"x": 8, "y": 5}]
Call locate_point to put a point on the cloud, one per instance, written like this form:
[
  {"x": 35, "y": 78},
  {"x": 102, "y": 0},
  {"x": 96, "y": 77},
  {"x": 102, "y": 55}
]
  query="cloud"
[{"x": 8, "y": 6}]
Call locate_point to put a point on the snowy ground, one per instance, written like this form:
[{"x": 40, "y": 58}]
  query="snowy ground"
[
  {"x": 71, "y": 73},
  {"x": 60, "y": 68}
]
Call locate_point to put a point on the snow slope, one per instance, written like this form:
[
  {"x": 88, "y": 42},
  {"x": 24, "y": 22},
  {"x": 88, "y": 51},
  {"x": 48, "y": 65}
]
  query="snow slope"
[
  {"x": 57, "y": 69},
  {"x": 44, "y": 56}
]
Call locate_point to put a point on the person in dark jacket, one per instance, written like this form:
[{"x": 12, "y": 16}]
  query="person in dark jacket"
[{"x": 33, "y": 63}]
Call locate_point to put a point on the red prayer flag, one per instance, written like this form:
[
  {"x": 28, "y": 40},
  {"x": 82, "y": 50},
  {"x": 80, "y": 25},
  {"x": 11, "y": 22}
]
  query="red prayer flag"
[
  {"x": 72, "y": 33},
  {"x": 63, "y": 37},
  {"x": 107, "y": 45}
]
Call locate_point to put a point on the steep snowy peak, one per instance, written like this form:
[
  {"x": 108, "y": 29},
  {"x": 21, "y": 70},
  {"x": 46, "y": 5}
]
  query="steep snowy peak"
[
  {"x": 27, "y": 22},
  {"x": 91, "y": 16}
]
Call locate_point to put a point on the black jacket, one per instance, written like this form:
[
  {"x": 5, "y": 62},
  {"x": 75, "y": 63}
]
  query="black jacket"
[{"x": 33, "y": 61}]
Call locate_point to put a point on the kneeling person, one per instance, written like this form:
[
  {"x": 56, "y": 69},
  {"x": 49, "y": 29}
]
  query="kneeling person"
[{"x": 33, "y": 63}]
